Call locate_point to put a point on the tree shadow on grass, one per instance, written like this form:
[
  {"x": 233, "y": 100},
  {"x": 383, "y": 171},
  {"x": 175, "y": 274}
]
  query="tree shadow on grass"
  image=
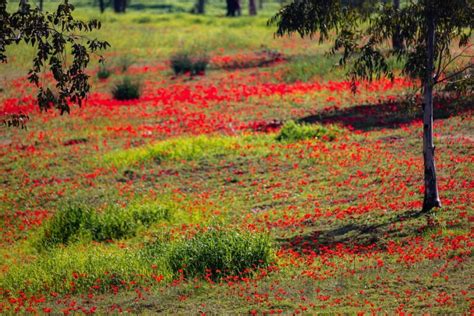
[
  {"x": 388, "y": 115},
  {"x": 360, "y": 237}
]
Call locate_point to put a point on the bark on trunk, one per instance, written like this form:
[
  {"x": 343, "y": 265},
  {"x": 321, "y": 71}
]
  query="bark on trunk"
[
  {"x": 120, "y": 6},
  {"x": 201, "y": 6},
  {"x": 233, "y": 7},
  {"x": 397, "y": 39},
  {"x": 431, "y": 198},
  {"x": 41, "y": 5},
  {"x": 101, "y": 6},
  {"x": 260, "y": 4},
  {"x": 252, "y": 7}
]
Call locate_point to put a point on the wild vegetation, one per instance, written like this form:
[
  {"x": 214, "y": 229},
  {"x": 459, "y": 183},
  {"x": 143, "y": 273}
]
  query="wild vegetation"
[{"x": 258, "y": 183}]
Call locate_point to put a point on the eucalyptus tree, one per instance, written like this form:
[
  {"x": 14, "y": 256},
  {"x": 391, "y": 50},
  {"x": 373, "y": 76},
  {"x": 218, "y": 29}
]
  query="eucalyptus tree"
[
  {"x": 252, "y": 7},
  {"x": 200, "y": 7},
  {"x": 54, "y": 36},
  {"x": 428, "y": 29}
]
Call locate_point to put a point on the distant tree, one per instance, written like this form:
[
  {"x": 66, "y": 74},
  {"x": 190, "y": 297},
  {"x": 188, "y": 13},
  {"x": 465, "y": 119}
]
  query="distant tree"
[
  {"x": 233, "y": 7},
  {"x": 54, "y": 36},
  {"x": 428, "y": 28},
  {"x": 120, "y": 6},
  {"x": 101, "y": 6},
  {"x": 252, "y": 7},
  {"x": 397, "y": 39},
  {"x": 200, "y": 7}
]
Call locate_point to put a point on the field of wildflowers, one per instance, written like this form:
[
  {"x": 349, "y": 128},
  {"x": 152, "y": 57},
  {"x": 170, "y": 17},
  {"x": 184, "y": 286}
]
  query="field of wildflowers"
[{"x": 244, "y": 189}]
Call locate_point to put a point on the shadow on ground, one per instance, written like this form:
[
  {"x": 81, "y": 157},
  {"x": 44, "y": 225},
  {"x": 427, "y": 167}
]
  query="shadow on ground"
[
  {"x": 389, "y": 115},
  {"x": 360, "y": 237}
]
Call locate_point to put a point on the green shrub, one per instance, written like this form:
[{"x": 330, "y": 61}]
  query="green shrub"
[
  {"x": 79, "y": 222},
  {"x": 184, "y": 63},
  {"x": 103, "y": 72},
  {"x": 292, "y": 131},
  {"x": 126, "y": 90},
  {"x": 217, "y": 253}
]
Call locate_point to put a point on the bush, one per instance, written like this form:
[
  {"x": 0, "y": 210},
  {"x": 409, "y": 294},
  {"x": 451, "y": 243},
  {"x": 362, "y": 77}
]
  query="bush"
[
  {"x": 76, "y": 222},
  {"x": 103, "y": 72},
  {"x": 217, "y": 253},
  {"x": 183, "y": 63},
  {"x": 292, "y": 131},
  {"x": 126, "y": 90}
]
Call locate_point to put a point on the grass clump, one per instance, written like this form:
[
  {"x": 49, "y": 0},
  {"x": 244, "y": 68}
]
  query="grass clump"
[
  {"x": 76, "y": 268},
  {"x": 220, "y": 252},
  {"x": 292, "y": 131},
  {"x": 126, "y": 90},
  {"x": 103, "y": 72},
  {"x": 185, "y": 63},
  {"x": 80, "y": 222}
]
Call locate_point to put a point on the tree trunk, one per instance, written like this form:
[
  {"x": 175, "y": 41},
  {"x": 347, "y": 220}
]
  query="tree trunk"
[
  {"x": 397, "y": 39},
  {"x": 101, "y": 6},
  {"x": 201, "y": 6},
  {"x": 252, "y": 7},
  {"x": 41, "y": 5},
  {"x": 233, "y": 7},
  {"x": 431, "y": 198},
  {"x": 260, "y": 4},
  {"x": 120, "y": 6}
]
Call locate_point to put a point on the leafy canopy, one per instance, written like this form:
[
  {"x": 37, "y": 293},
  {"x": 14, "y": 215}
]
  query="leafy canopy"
[
  {"x": 361, "y": 34},
  {"x": 52, "y": 34}
]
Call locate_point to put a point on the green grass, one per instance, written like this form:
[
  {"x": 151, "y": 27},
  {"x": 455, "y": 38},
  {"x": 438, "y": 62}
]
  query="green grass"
[
  {"x": 219, "y": 252},
  {"x": 213, "y": 253},
  {"x": 126, "y": 90},
  {"x": 80, "y": 222},
  {"x": 187, "y": 148},
  {"x": 77, "y": 267},
  {"x": 292, "y": 131}
]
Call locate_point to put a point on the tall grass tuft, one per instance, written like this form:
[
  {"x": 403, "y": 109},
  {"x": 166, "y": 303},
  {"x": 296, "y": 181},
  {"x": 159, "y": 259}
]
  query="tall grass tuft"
[
  {"x": 185, "y": 63},
  {"x": 126, "y": 90},
  {"x": 81, "y": 222},
  {"x": 76, "y": 268},
  {"x": 218, "y": 252},
  {"x": 292, "y": 131}
]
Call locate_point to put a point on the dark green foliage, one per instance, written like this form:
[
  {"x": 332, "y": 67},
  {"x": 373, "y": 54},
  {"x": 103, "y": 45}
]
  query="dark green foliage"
[
  {"x": 184, "y": 63},
  {"x": 103, "y": 72},
  {"x": 293, "y": 131},
  {"x": 217, "y": 253},
  {"x": 50, "y": 34},
  {"x": 126, "y": 90},
  {"x": 76, "y": 222},
  {"x": 364, "y": 47}
]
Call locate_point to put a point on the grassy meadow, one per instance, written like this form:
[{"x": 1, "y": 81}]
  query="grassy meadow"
[{"x": 261, "y": 185}]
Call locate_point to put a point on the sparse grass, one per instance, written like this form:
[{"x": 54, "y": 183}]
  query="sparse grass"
[{"x": 307, "y": 68}]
